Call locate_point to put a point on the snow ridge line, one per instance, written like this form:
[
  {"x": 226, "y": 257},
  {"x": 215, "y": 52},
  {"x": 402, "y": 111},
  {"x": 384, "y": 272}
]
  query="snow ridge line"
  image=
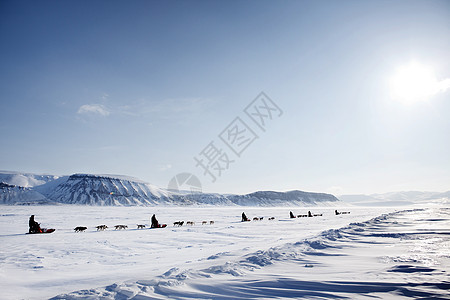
[{"x": 250, "y": 262}]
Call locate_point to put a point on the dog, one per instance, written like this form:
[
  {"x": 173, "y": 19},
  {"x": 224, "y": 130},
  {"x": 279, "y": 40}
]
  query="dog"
[
  {"x": 271, "y": 218},
  {"x": 257, "y": 218},
  {"x": 204, "y": 222},
  {"x": 120, "y": 227},
  {"x": 80, "y": 229},
  {"x": 190, "y": 223},
  {"x": 179, "y": 223},
  {"x": 211, "y": 222},
  {"x": 302, "y": 216},
  {"x": 140, "y": 226},
  {"x": 341, "y": 213},
  {"x": 101, "y": 227}
]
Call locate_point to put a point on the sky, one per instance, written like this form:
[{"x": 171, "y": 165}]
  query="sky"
[{"x": 342, "y": 97}]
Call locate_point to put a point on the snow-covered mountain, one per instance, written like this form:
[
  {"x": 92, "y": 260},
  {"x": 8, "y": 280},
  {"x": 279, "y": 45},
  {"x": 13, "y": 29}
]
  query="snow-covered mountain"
[
  {"x": 13, "y": 194},
  {"x": 25, "y": 179},
  {"x": 397, "y": 198},
  {"x": 104, "y": 190},
  {"x": 261, "y": 198},
  {"x": 291, "y": 198},
  {"x": 120, "y": 190},
  {"x": 110, "y": 190}
]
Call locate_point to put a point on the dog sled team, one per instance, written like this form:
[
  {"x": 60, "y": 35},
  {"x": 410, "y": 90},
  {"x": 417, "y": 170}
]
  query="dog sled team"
[
  {"x": 34, "y": 227},
  {"x": 308, "y": 215},
  {"x": 291, "y": 216},
  {"x": 337, "y": 213},
  {"x": 154, "y": 224},
  {"x": 191, "y": 223},
  {"x": 246, "y": 219}
]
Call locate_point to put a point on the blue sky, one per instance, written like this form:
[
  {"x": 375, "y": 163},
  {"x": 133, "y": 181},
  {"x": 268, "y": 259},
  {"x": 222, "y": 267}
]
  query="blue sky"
[{"x": 140, "y": 88}]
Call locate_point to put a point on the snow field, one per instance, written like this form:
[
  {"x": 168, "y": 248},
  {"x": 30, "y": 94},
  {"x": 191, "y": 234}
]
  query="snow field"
[{"x": 228, "y": 259}]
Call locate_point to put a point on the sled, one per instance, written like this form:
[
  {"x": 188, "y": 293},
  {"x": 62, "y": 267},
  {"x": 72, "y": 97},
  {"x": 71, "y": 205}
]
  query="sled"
[
  {"x": 159, "y": 226},
  {"x": 44, "y": 230}
]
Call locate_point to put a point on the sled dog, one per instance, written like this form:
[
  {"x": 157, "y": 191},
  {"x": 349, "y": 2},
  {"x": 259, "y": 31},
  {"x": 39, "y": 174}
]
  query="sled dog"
[{"x": 80, "y": 229}]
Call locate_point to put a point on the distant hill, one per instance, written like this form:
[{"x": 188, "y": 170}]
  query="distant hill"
[
  {"x": 118, "y": 190},
  {"x": 397, "y": 198},
  {"x": 13, "y": 194},
  {"x": 293, "y": 198},
  {"x": 25, "y": 179}
]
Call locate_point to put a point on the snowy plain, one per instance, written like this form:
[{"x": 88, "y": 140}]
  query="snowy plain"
[{"x": 372, "y": 252}]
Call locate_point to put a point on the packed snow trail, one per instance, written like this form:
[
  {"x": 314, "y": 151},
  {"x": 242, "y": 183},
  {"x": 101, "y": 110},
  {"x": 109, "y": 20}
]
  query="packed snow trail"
[{"x": 398, "y": 255}]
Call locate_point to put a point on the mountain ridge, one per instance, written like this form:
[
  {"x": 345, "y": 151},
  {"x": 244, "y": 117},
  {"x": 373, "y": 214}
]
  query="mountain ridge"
[
  {"x": 396, "y": 198},
  {"x": 120, "y": 190}
]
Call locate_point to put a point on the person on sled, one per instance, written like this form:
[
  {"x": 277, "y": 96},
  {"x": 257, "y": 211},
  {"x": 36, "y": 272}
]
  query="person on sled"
[
  {"x": 155, "y": 223},
  {"x": 291, "y": 215},
  {"x": 244, "y": 218},
  {"x": 34, "y": 226}
]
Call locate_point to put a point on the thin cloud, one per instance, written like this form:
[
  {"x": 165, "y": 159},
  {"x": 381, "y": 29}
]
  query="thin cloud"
[
  {"x": 165, "y": 108},
  {"x": 94, "y": 109}
]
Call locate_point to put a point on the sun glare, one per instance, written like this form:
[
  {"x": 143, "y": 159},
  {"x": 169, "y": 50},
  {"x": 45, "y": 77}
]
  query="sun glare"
[{"x": 413, "y": 82}]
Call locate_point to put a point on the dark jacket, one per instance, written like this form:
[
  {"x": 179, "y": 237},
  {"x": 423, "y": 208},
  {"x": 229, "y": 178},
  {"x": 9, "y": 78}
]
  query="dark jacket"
[
  {"x": 155, "y": 223},
  {"x": 34, "y": 226}
]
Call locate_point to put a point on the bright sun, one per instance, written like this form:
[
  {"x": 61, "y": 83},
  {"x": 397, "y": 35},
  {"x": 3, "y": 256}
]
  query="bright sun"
[{"x": 413, "y": 82}]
